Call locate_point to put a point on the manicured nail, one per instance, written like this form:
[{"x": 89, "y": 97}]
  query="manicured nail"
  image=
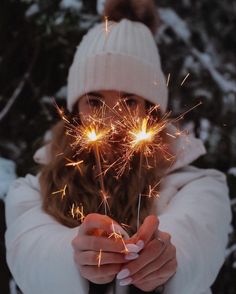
[
  {"x": 140, "y": 244},
  {"x": 133, "y": 248},
  {"x": 131, "y": 256},
  {"x": 123, "y": 274},
  {"x": 125, "y": 282}
]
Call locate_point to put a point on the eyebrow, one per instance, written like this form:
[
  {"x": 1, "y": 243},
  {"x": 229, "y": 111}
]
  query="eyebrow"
[{"x": 97, "y": 94}]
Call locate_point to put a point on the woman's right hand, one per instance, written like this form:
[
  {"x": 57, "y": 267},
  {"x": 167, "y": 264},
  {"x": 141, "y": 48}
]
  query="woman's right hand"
[{"x": 93, "y": 240}]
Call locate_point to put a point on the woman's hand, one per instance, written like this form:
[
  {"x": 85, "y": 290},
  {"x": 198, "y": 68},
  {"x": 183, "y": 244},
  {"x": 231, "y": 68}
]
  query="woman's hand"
[
  {"x": 93, "y": 240},
  {"x": 156, "y": 262}
]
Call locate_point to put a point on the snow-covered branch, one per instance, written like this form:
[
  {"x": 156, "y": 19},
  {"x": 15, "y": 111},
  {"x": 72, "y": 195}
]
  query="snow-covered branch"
[{"x": 180, "y": 28}]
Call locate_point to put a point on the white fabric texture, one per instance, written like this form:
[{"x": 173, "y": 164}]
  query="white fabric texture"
[
  {"x": 124, "y": 59},
  {"x": 193, "y": 207}
]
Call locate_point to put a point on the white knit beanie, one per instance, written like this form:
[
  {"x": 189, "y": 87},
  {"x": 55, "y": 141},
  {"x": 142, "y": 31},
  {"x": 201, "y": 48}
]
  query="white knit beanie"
[{"x": 124, "y": 59}]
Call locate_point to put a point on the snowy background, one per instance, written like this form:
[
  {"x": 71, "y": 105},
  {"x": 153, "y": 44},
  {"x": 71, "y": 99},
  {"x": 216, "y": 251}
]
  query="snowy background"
[{"x": 37, "y": 42}]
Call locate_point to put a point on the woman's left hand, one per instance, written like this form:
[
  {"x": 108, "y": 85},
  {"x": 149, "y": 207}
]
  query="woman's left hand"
[{"x": 156, "y": 262}]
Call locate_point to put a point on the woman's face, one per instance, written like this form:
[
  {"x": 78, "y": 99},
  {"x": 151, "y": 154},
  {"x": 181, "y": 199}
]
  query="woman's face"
[{"x": 91, "y": 102}]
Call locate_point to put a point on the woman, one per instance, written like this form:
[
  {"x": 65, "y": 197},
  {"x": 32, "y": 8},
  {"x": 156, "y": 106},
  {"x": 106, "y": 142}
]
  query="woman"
[{"x": 179, "y": 248}]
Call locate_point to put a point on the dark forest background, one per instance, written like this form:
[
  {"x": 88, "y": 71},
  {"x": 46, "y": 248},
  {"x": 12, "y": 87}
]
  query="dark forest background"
[{"x": 37, "y": 41}]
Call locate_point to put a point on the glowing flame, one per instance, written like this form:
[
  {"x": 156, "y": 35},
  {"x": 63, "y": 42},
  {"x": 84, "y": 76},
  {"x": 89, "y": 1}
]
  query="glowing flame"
[
  {"x": 142, "y": 135},
  {"x": 92, "y": 136}
]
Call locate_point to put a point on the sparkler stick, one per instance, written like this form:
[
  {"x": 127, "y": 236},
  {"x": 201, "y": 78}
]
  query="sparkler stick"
[
  {"x": 139, "y": 194},
  {"x": 101, "y": 180}
]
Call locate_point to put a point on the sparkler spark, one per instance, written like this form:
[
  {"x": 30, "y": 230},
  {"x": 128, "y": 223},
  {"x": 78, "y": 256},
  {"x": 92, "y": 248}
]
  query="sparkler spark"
[
  {"x": 126, "y": 250},
  {"x": 152, "y": 192},
  {"x": 77, "y": 212},
  {"x": 185, "y": 79},
  {"x": 99, "y": 257},
  {"x": 117, "y": 235},
  {"x": 62, "y": 191},
  {"x": 168, "y": 80},
  {"x": 114, "y": 234}
]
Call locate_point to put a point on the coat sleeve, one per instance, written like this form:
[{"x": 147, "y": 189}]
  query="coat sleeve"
[
  {"x": 39, "y": 251},
  {"x": 198, "y": 219}
]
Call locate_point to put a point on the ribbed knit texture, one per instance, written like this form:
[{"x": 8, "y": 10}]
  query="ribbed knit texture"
[{"x": 124, "y": 59}]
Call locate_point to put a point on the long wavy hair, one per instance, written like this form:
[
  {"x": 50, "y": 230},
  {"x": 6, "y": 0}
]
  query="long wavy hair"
[{"x": 83, "y": 185}]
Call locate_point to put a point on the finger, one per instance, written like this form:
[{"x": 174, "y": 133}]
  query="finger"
[
  {"x": 147, "y": 230},
  {"x": 91, "y": 271},
  {"x": 94, "y": 243},
  {"x": 163, "y": 237},
  {"x": 95, "y": 221},
  {"x": 137, "y": 267},
  {"x": 151, "y": 285},
  {"x": 163, "y": 273},
  {"x": 157, "y": 264},
  {"x": 92, "y": 258}
]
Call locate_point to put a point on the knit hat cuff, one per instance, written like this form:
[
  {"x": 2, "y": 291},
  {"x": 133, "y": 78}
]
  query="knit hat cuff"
[{"x": 119, "y": 72}]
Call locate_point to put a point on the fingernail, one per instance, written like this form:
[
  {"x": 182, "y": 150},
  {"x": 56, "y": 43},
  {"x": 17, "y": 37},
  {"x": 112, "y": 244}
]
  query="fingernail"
[
  {"x": 131, "y": 256},
  {"x": 125, "y": 282},
  {"x": 140, "y": 244},
  {"x": 133, "y": 248},
  {"x": 123, "y": 274}
]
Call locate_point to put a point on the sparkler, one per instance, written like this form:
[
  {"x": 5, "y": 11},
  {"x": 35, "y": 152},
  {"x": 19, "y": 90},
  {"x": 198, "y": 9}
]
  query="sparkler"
[
  {"x": 143, "y": 138},
  {"x": 91, "y": 135}
]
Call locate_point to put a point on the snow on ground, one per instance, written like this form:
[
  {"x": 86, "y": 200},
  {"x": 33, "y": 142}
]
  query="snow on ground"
[{"x": 7, "y": 175}]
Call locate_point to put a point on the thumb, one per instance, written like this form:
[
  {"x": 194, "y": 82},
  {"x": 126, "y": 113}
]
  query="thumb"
[{"x": 147, "y": 231}]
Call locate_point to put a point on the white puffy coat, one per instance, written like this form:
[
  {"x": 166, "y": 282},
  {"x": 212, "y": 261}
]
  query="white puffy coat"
[{"x": 193, "y": 207}]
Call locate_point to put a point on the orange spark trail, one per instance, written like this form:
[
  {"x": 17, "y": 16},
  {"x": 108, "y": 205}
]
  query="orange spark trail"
[
  {"x": 77, "y": 212},
  {"x": 99, "y": 258},
  {"x": 62, "y": 191},
  {"x": 168, "y": 80},
  {"x": 185, "y": 79}
]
